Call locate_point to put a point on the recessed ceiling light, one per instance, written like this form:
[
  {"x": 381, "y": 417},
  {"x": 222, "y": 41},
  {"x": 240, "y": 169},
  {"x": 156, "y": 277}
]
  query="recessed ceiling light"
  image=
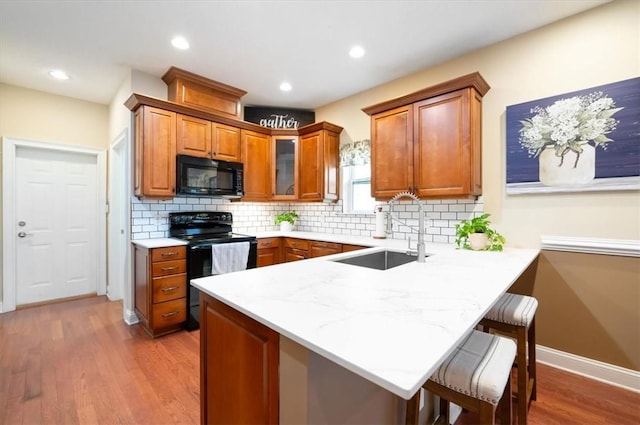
[
  {"x": 356, "y": 52},
  {"x": 58, "y": 74},
  {"x": 285, "y": 86},
  {"x": 180, "y": 42}
]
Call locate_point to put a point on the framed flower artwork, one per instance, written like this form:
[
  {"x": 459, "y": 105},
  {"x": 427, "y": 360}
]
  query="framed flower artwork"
[{"x": 587, "y": 140}]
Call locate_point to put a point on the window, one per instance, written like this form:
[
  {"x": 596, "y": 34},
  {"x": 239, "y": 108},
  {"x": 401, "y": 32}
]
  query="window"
[{"x": 356, "y": 177}]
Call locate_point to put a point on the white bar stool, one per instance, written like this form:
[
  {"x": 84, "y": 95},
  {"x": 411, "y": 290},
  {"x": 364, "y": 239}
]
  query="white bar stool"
[
  {"x": 515, "y": 315},
  {"x": 475, "y": 377}
]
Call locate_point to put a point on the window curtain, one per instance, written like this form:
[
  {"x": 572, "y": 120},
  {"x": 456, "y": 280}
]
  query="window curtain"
[{"x": 355, "y": 153}]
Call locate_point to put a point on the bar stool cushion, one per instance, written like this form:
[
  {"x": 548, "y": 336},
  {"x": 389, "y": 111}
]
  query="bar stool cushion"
[
  {"x": 513, "y": 309},
  {"x": 479, "y": 367}
]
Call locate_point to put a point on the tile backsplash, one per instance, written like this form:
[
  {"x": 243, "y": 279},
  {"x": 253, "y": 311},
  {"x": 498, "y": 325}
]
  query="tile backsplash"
[{"x": 150, "y": 218}]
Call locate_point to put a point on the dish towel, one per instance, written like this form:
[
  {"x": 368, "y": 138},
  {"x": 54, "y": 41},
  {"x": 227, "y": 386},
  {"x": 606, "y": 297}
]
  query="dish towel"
[{"x": 229, "y": 257}]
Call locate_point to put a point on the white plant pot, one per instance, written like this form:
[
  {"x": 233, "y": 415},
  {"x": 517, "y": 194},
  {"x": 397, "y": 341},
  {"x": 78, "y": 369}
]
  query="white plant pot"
[
  {"x": 555, "y": 171},
  {"x": 478, "y": 241},
  {"x": 285, "y": 226}
]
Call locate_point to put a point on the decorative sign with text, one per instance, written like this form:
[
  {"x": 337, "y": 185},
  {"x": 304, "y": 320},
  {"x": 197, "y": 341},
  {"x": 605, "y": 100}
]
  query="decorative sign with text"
[{"x": 279, "y": 117}]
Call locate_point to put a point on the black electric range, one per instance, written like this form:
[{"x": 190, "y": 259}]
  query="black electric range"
[{"x": 202, "y": 229}]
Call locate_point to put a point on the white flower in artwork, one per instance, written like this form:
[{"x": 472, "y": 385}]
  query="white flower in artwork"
[{"x": 568, "y": 124}]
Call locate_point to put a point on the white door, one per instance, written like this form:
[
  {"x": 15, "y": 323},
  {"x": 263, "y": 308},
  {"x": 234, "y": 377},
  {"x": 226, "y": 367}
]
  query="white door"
[{"x": 56, "y": 224}]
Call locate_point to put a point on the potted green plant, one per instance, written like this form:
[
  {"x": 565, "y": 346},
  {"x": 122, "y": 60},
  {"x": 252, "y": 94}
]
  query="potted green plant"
[
  {"x": 476, "y": 234},
  {"x": 286, "y": 220}
]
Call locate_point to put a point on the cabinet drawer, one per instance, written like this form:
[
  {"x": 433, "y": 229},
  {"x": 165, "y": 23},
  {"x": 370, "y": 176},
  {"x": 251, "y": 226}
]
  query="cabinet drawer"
[
  {"x": 348, "y": 247},
  {"x": 169, "y": 313},
  {"x": 169, "y": 288},
  {"x": 164, "y": 268},
  {"x": 297, "y": 243},
  {"x": 168, "y": 253},
  {"x": 268, "y": 243}
]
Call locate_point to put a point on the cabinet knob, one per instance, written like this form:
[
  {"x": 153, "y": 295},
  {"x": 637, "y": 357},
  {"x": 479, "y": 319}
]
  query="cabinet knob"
[
  {"x": 170, "y": 314},
  {"x": 166, "y": 269}
]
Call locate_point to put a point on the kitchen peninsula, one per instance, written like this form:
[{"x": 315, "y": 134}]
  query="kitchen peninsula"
[{"x": 318, "y": 341}]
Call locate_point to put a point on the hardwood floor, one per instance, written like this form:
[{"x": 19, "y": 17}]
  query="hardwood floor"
[{"x": 77, "y": 362}]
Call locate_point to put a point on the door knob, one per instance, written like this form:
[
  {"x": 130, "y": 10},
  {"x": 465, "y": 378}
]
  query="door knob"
[{"x": 22, "y": 235}]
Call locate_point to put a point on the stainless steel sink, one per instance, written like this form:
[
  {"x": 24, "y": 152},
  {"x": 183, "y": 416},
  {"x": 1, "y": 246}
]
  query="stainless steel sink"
[{"x": 381, "y": 260}]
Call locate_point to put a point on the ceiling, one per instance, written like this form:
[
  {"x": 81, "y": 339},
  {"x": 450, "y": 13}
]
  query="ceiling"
[{"x": 254, "y": 45}]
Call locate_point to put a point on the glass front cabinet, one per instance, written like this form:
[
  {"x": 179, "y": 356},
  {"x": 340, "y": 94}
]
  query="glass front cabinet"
[{"x": 285, "y": 169}]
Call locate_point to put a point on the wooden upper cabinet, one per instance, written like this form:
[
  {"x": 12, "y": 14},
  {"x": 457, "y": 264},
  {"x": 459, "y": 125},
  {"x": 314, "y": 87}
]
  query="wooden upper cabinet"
[
  {"x": 257, "y": 166},
  {"x": 311, "y": 180},
  {"x": 203, "y": 138},
  {"x": 226, "y": 144},
  {"x": 319, "y": 162},
  {"x": 155, "y": 153},
  {"x": 447, "y": 157},
  {"x": 392, "y": 152},
  {"x": 429, "y": 142},
  {"x": 194, "y": 136},
  {"x": 285, "y": 168}
]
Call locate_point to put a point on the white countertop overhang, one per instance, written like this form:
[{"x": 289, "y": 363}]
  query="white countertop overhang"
[{"x": 392, "y": 327}]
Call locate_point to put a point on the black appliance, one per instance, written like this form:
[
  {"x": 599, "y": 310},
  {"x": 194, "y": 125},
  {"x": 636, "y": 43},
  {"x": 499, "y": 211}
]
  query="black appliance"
[
  {"x": 197, "y": 176},
  {"x": 202, "y": 229}
]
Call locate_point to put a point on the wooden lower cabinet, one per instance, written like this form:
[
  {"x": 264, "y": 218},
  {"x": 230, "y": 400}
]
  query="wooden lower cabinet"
[
  {"x": 282, "y": 250},
  {"x": 295, "y": 249},
  {"x": 348, "y": 247},
  {"x": 239, "y": 359},
  {"x": 320, "y": 248},
  {"x": 269, "y": 251},
  {"x": 161, "y": 288}
]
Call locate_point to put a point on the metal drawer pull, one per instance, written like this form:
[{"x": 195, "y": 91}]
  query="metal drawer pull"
[
  {"x": 169, "y": 289},
  {"x": 171, "y": 314},
  {"x": 166, "y": 269},
  {"x": 166, "y": 254}
]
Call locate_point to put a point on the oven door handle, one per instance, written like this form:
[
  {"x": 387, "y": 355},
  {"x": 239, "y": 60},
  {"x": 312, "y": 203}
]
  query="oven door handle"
[{"x": 194, "y": 248}]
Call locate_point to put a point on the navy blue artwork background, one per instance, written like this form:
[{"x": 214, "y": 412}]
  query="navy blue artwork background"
[{"x": 620, "y": 159}]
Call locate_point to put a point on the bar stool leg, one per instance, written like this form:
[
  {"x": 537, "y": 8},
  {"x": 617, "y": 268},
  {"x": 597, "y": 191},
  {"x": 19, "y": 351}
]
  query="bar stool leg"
[
  {"x": 532, "y": 358},
  {"x": 523, "y": 375}
]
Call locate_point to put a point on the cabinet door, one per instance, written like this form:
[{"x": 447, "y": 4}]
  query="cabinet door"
[
  {"x": 293, "y": 254},
  {"x": 239, "y": 360},
  {"x": 157, "y": 162},
  {"x": 285, "y": 167},
  {"x": 194, "y": 136},
  {"x": 311, "y": 179},
  {"x": 392, "y": 152},
  {"x": 269, "y": 252},
  {"x": 268, "y": 256},
  {"x": 331, "y": 166},
  {"x": 257, "y": 166},
  {"x": 226, "y": 142},
  {"x": 442, "y": 156}
]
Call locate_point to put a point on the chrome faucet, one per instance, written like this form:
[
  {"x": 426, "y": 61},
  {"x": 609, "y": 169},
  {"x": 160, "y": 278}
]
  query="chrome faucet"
[{"x": 390, "y": 218}]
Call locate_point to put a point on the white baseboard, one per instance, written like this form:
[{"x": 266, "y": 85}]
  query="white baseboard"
[
  {"x": 130, "y": 317},
  {"x": 589, "y": 368},
  {"x": 1, "y": 310}
]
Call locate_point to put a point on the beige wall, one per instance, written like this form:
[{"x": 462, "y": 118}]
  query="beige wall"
[
  {"x": 589, "y": 304},
  {"x": 39, "y": 116},
  {"x": 597, "y": 47}
]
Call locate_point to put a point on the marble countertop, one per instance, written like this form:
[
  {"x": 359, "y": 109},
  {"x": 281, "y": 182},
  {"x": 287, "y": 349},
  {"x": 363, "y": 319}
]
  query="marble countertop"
[{"x": 391, "y": 327}]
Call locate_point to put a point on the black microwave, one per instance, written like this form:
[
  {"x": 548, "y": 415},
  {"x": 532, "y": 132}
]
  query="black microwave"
[{"x": 208, "y": 177}]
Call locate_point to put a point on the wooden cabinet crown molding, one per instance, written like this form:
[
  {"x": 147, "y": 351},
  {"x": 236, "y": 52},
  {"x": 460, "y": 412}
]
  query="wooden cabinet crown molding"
[
  {"x": 136, "y": 100},
  {"x": 473, "y": 80}
]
